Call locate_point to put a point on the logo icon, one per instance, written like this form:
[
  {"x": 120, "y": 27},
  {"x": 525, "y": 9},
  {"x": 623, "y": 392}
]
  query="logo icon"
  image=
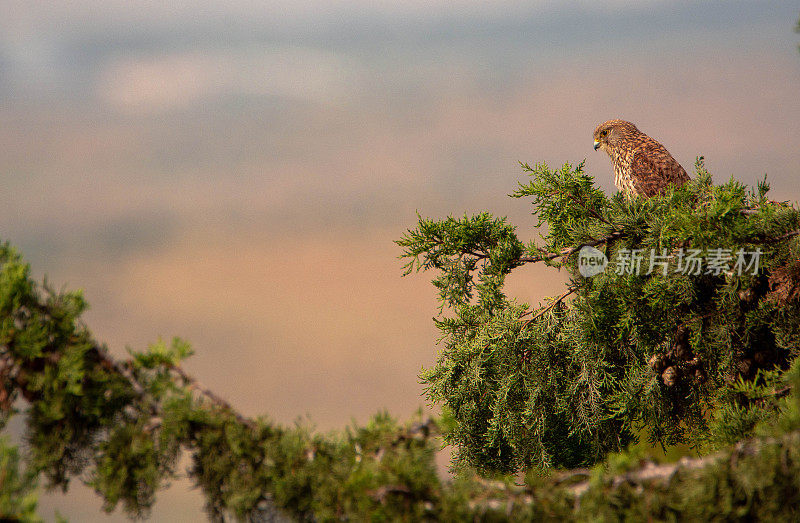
[{"x": 591, "y": 261}]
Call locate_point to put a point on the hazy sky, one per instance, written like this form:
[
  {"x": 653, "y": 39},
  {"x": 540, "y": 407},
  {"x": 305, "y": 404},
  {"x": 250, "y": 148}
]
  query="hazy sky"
[{"x": 234, "y": 173}]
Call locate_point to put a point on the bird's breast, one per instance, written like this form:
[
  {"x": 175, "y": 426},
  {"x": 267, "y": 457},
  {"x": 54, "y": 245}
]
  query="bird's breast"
[{"x": 619, "y": 171}]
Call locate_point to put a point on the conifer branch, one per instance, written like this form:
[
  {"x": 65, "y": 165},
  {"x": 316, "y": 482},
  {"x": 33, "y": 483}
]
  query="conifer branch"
[
  {"x": 124, "y": 370},
  {"x": 790, "y": 234},
  {"x": 651, "y": 473},
  {"x": 592, "y": 211},
  {"x": 569, "y": 403},
  {"x": 192, "y": 383},
  {"x": 556, "y": 301},
  {"x": 563, "y": 253},
  {"x": 498, "y": 494}
]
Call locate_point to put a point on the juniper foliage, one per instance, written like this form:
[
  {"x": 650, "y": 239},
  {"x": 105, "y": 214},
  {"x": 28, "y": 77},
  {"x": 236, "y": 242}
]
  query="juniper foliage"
[
  {"x": 17, "y": 487},
  {"x": 656, "y": 352},
  {"x": 120, "y": 427},
  {"x": 567, "y": 384}
]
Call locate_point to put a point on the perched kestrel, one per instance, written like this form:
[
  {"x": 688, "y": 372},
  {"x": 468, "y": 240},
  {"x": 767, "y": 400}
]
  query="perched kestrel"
[{"x": 642, "y": 166}]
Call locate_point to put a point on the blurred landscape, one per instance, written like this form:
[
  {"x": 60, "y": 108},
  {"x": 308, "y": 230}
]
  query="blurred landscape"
[{"x": 235, "y": 173}]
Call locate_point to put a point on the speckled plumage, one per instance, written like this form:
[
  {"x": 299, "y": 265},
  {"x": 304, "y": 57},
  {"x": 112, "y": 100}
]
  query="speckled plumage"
[{"x": 642, "y": 166}]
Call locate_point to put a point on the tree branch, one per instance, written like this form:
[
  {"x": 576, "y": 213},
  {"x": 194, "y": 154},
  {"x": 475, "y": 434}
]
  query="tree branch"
[
  {"x": 555, "y": 302},
  {"x": 207, "y": 393},
  {"x": 652, "y": 472},
  {"x": 498, "y": 493},
  {"x": 563, "y": 253},
  {"x": 777, "y": 239}
]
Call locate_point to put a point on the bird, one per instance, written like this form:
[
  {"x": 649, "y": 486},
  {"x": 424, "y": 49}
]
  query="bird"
[{"x": 642, "y": 166}]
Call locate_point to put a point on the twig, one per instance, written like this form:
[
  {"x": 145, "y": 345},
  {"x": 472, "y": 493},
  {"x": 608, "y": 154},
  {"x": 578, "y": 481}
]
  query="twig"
[
  {"x": 777, "y": 239},
  {"x": 563, "y": 253},
  {"x": 555, "y": 302},
  {"x": 783, "y": 392}
]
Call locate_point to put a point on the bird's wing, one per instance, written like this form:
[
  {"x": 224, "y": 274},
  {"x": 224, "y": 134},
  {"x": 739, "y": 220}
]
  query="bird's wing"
[{"x": 653, "y": 168}]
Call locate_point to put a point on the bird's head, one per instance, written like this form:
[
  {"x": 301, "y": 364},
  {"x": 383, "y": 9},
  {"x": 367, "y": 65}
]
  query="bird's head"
[{"x": 609, "y": 134}]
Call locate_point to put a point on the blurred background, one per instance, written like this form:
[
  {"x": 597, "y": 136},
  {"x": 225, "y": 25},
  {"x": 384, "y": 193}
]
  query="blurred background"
[{"x": 235, "y": 172}]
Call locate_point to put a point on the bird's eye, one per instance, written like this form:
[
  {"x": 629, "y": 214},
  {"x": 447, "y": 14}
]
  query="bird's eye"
[{"x": 603, "y": 133}]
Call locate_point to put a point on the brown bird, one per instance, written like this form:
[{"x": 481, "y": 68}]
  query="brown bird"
[{"x": 642, "y": 166}]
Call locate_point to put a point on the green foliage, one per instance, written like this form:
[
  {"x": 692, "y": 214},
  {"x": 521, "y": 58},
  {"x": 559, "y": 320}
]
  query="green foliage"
[
  {"x": 364, "y": 472},
  {"x": 743, "y": 404},
  {"x": 755, "y": 482},
  {"x": 566, "y": 200},
  {"x": 17, "y": 488},
  {"x": 460, "y": 249},
  {"x": 120, "y": 428},
  {"x": 569, "y": 384},
  {"x": 645, "y": 352},
  {"x": 784, "y": 393}
]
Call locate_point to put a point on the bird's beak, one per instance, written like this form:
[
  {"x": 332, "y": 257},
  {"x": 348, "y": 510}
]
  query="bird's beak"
[{"x": 596, "y": 145}]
